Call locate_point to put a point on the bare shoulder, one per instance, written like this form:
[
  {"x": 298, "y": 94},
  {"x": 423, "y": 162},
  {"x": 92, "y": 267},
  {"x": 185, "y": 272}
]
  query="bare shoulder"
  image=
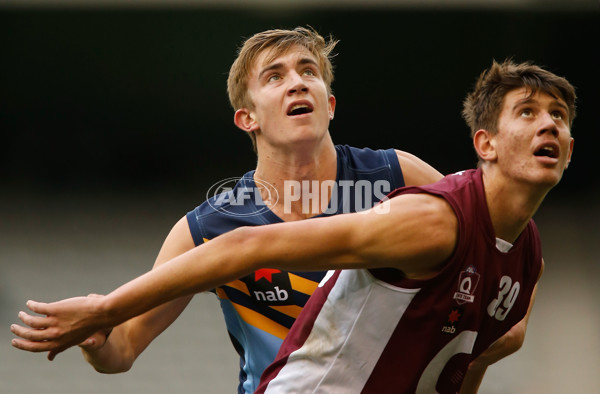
[
  {"x": 416, "y": 171},
  {"x": 413, "y": 232},
  {"x": 177, "y": 242},
  {"x": 425, "y": 209}
]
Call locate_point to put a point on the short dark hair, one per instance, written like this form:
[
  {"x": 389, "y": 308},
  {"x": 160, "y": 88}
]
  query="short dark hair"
[{"x": 482, "y": 107}]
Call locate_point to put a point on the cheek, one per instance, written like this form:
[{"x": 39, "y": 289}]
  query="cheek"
[
  {"x": 517, "y": 140},
  {"x": 267, "y": 111},
  {"x": 512, "y": 147}
]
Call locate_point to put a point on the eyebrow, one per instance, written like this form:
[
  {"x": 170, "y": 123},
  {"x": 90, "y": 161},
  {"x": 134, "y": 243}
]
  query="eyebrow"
[
  {"x": 275, "y": 66},
  {"x": 530, "y": 100}
]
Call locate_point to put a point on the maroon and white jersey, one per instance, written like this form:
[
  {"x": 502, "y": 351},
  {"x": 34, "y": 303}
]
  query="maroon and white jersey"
[{"x": 374, "y": 331}]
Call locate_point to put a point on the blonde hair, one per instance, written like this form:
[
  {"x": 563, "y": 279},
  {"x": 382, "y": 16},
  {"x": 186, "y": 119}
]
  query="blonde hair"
[{"x": 278, "y": 41}]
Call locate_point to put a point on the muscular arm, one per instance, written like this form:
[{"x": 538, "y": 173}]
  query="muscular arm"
[
  {"x": 506, "y": 345},
  {"x": 416, "y": 172},
  {"x": 129, "y": 339},
  {"x": 415, "y": 233}
]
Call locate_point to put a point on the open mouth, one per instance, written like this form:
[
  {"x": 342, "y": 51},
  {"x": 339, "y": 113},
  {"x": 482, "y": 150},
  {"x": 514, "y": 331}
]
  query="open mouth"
[
  {"x": 299, "y": 109},
  {"x": 547, "y": 151}
]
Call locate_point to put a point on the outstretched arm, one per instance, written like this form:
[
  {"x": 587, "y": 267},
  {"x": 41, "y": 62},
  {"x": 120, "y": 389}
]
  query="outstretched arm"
[{"x": 414, "y": 233}]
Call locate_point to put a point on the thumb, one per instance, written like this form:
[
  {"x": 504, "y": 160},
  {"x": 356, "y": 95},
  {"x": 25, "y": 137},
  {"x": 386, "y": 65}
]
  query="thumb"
[
  {"x": 90, "y": 343},
  {"x": 96, "y": 340},
  {"x": 52, "y": 353}
]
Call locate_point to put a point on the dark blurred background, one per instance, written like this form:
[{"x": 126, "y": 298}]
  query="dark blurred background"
[
  {"x": 97, "y": 99},
  {"x": 114, "y": 121}
]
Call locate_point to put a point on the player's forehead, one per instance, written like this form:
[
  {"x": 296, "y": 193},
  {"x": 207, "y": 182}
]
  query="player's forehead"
[
  {"x": 526, "y": 95},
  {"x": 285, "y": 55}
]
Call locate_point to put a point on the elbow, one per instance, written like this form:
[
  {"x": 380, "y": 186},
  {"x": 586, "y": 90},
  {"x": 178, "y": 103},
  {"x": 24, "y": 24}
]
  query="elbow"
[
  {"x": 111, "y": 356},
  {"x": 107, "y": 371},
  {"x": 111, "y": 368},
  {"x": 515, "y": 338}
]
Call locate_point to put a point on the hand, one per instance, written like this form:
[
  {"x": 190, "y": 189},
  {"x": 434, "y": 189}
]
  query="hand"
[{"x": 65, "y": 324}]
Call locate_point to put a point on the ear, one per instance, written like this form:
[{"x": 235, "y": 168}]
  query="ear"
[
  {"x": 331, "y": 106},
  {"x": 485, "y": 145},
  {"x": 245, "y": 120},
  {"x": 570, "y": 153}
]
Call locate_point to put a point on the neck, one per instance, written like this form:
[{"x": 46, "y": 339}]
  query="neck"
[
  {"x": 286, "y": 171},
  {"x": 511, "y": 204}
]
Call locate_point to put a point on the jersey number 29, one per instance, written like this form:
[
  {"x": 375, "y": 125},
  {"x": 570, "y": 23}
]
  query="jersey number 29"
[{"x": 499, "y": 307}]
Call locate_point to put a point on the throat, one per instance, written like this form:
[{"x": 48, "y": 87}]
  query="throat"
[{"x": 511, "y": 205}]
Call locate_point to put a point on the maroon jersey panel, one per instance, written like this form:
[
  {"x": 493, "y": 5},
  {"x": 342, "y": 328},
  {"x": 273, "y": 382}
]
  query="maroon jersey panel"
[{"x": 479, "y": 295}]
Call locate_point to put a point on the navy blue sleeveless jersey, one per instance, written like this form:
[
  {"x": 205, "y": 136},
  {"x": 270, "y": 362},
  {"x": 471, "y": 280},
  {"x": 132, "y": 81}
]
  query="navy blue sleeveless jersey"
[{"x": 260, "y": 308}]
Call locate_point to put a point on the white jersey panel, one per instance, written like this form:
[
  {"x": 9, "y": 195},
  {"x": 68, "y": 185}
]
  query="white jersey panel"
[{"x": 344, "y": 337}]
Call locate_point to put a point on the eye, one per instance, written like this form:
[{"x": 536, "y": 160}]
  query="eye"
[
  {"x": 526, "y": 113},
  {"x": 274, "y": 77},
  {"x": 309, "y": 72},
  {"x": 557, "y": 115}
]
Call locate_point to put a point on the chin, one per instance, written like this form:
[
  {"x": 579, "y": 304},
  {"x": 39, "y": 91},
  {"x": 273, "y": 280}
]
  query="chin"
[
  {"x": 550, "y": 180},
  {"x": 540, "y": 177}
]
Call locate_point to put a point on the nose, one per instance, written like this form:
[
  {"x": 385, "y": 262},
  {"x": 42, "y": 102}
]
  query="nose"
[
  {"x": 297, "y": 84},
  {"x": 548, "y": 124}
]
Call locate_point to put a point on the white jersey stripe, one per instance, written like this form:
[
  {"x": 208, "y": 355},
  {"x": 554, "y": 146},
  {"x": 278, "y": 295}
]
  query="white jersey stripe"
[{"x": 346, "y": 340}]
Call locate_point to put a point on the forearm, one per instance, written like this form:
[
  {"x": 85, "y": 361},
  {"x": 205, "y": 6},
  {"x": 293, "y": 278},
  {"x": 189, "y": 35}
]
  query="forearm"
[
  {"x": 71, "y": 321},
  {"x": 226, "y": 258},
  {"x": 503, "y": 347},
  {"x": 222, "y": 260},
  {"x": 472, "y": 380}
]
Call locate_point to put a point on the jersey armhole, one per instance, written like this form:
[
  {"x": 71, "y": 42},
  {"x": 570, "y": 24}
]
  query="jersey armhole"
[
  {"x": 396, "y": 175},
  {"x": 194, "y": 228}
]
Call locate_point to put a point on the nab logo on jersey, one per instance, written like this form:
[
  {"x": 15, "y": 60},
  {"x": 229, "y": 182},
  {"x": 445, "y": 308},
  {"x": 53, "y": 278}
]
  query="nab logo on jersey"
[
  {"x": 271, "y": 286},
  {"x": 467, "y": 283},
  {"x": 454, "y": 317}
]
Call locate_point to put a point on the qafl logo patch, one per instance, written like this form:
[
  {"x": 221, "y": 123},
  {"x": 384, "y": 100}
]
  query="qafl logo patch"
[{"x": 467, "y": 283}]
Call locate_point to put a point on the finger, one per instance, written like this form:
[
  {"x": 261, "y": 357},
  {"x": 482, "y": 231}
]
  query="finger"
[
  {"x": 94, "y": 295},
  {"x": 39, "y": 307},
  {"x": 34, "y": 321},
  {"x": 32, "y": 346},
  {"x": 33, "y": 334}
]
